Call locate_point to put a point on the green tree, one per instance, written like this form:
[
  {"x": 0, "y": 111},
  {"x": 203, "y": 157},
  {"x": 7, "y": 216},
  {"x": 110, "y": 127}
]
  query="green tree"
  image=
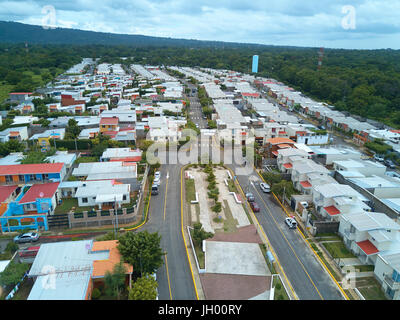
[
  {"x": 142, "y": 250},
  {"x": 114, "y": 282},
  {"x": 72, "y": 131},
  {"x": 34, "y": 157},
  {"x": 199, "y": 234},
  {"x": 13, "y": 273},
  {"x": 144, "y": 288}
]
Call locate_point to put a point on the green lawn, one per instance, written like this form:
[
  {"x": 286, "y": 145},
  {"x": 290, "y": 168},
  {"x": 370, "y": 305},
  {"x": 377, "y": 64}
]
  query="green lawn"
[
  {"x": 365, "y": 268},
  {"x": 338, "y": 250},
  {"x": 231, "y": 186},
  {"x": 67, "y": 204},
  {"x": 280, "y": 292},
  {"x": 190, "y": 190},
  {"x": 370, "y": 289},
  {"x": 230, "y": 223}
]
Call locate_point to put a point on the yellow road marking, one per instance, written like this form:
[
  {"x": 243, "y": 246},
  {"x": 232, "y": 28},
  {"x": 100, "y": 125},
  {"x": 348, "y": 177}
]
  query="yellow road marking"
[
  {"x": 184, "y": 241},
  {"x": 169, "y": 284},
  {"x": 145, "y": 217},
  {"x": 302, "y": 265},
  {"x": 318, "y": 257},
  {"x": 265, "y": 237}
]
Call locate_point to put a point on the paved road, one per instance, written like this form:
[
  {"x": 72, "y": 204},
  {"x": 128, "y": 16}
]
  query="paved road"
[
  {"x": 165, "y": 218},
  {"x": 307, "y": 277}
]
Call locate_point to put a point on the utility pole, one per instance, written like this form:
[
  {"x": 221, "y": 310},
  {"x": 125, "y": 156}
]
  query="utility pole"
[
  {"x": 283, "y": 196},
  {"x": 116, "y": 213}
]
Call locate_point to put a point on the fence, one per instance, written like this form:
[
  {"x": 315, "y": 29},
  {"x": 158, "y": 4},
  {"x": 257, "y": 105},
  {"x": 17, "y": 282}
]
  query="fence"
[{"x": 108, "y": 217}]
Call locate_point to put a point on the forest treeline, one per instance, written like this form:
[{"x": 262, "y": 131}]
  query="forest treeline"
[{"x": 363, "y": 82}]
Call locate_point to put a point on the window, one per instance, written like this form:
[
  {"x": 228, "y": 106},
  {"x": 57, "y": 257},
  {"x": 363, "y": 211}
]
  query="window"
[
  {"x": 84, "y": 200},
  {"x": 21, "y": 178},
  {"x": 124, "y": 197}
]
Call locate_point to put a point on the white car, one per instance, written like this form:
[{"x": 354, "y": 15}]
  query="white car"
[
  {"x": 265, "y": 187},
  {"x": 291, "y": 222},
  {"x": 156, "y": 180},
  {"x": 157, "y": 174}
]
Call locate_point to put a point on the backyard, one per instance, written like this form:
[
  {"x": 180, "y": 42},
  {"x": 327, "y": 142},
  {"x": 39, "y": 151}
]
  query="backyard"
[
  {"x": 337, "y": 250},
  {"x": 370, "y": 289}
]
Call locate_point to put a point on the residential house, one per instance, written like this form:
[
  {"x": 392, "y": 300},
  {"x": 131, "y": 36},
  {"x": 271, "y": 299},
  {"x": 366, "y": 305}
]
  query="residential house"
[
  {"x": 43, "y": 139},
  {"x": 31, "y": 173},
  {"x": 274, "y": 144},
  {"x": 326, "y": 156},
  {"x": 79, "y": 267},
  {"x": 104, "y": 194},
  {"x": 329, "y": 198},
  {"x": 387, "y": 271},
  {"x": 368, "y": 233},
  {"x": 15, "y": 133}
]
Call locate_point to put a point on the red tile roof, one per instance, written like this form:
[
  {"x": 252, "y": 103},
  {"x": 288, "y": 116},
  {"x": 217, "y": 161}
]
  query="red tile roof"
[
  {"x": 332, "y": 210},
  {"x": 306, "y": 184},
  {"x": 367, "y": 247},
  {"x": 35, "y": 168},
  {"x": 45, "y": 190},
  {"x": 288, "y": 165},
  {"x": 109, "y": 120},
  {"x": 5, "y": 192},
  {"x": 280, "y": 141}
]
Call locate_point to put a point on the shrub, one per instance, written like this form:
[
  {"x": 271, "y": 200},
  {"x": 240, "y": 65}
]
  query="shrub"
[
  {"x": 278, "y": 286},
  {"x": 217, "y": 207},
  {"x": 96, "y": 294},
  {"x": 11, "y": 247}
]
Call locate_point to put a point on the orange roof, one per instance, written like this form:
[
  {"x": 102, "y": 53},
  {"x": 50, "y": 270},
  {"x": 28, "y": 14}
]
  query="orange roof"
[
  {"x": 14, "y": 133},
  {"x": 332, "y": 210},
  {"x": 100, "y": 267},
  {"x": 280, "y": 140},
  {"x": 306, "y": 184},
  {"x": 368, "y": 247},
  {"x": 288, "y": 165}
]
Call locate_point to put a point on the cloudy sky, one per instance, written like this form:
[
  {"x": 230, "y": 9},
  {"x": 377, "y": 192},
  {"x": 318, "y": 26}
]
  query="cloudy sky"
[{"x": 358, "y": 24}]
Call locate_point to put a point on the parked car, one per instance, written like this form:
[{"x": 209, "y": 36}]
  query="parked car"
[
  {"x": 390, "y": 164},
  {"x": 392, "y": 174},
  {"x": 291, "y": 222},
  {"x": 157, "y": 180},
  {"x": 378, "y": 157},
  {"x": 157, "y": 174},
  {"x": 154, "y": 189},
  {"x": 254, "y": 206},
  {"x": 250, "y": 197},
  {"x": 27, "y": 237},
  {"x": 265, "y": 187}
]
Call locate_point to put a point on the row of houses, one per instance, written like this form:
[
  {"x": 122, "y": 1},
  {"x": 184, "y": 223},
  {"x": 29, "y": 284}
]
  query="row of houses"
[{"x": 373, "y": 236}]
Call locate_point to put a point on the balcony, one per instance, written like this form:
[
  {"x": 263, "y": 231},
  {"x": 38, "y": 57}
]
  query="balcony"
[
  {"x": 349, "y": 234},
  {"x": 391, "y": 283}
]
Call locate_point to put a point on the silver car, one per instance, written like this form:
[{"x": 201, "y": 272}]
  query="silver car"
[
  {"x": 27, "y": 237},
  {"x": 265, "y": 187}
]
